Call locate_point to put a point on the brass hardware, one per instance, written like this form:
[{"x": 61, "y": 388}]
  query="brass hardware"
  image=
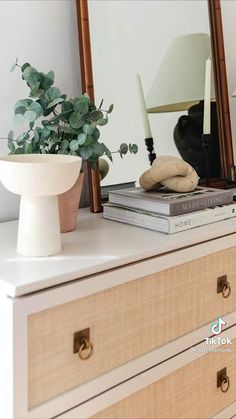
[
  {"x": 223, "y": 381},
  {"x": 223, "y": 286},
  {"x": 86, "y": 346},
  {"x": 82, "y": 344}
]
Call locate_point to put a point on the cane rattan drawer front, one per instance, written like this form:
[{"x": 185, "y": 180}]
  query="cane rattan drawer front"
[
  {"x": 125, "y": 322},
  {"x": 190, "y": 392}
]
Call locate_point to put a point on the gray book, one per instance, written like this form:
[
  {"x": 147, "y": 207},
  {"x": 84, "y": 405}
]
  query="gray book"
[
  {"x": 165, "y": 202},
  {"x": 169, "y": 224}
]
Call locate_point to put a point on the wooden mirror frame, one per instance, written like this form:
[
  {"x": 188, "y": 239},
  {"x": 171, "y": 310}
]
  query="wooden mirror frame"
[{"x": 219, "y": 65}]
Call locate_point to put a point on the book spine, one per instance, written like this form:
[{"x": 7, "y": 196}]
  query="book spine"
[
  {"x": 210, "y": 215},
  {"x": 177, "y": 208}
]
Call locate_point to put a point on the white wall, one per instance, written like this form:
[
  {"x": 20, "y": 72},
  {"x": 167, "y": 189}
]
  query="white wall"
[
  {"x": 128, "y": 37},
  {"x": 43, "y": 33},
  {"x": 228, "y": 9}
]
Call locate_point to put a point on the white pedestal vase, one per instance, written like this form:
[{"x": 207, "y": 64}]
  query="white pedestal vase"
[{"x": 39, "y": 178}]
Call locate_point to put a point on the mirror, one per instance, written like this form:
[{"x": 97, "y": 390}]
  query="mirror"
[{"x": 130, "y": 37}]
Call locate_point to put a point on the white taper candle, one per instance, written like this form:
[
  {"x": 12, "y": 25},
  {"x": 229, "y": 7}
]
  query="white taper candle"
[
  {"x": 143, "y": 109},
  {"x": 207, "y": 99}
]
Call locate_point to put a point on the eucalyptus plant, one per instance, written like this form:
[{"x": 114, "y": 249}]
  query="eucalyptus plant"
[{"x": 57, "y": 125}]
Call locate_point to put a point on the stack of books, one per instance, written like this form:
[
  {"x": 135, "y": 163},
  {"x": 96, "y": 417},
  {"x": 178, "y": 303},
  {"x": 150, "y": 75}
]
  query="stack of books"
[{"x": 169, "y": 212}]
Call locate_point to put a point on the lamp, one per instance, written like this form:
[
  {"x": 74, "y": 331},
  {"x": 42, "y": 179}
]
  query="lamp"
[{"x": 180, "y": 85}]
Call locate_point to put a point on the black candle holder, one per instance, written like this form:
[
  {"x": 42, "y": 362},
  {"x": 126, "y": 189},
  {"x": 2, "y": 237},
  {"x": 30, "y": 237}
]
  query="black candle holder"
[
  {"x": 150, "y": 149},
  {"x": 206, "y": 141}
]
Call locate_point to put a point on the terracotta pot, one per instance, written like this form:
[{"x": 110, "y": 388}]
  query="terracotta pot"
[{"x": 69, "y": 205}]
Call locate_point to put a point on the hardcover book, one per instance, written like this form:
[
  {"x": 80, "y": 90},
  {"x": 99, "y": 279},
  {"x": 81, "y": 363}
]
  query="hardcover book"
[
  {"x": 165, "y": 202},
  {"x": 169, "y": 224}
]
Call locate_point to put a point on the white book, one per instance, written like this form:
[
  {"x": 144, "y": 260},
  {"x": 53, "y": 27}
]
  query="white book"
[{"x": 169, "y": 224}]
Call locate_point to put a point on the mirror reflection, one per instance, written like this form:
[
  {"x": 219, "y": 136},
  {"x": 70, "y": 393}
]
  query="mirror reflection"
[{"x": 144, "y": 37}]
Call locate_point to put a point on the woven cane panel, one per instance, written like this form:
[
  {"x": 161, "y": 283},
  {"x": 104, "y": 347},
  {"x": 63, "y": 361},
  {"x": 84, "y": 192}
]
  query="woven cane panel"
[
  {"x": 125, "y": 321},
  {"x": 188, "y": 393}
]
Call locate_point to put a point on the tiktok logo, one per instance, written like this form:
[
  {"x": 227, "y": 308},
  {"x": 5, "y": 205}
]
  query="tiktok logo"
[{"x": 217, "y": 326}]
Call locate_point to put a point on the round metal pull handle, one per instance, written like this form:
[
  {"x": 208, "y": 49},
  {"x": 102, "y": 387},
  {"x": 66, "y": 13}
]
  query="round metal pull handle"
[
  {"x": 226, "y": 291},
  {"x": 85, "y": 350},
  {"x": 225, "y": 384}
]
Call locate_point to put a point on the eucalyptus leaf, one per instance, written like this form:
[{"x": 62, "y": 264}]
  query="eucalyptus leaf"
[
  {"x": 74, "y": 145},
  {"x": 28, "y": 73},
  {"x": 67, "y": 107},
  {"x": 85, "y": 152},
  {"x": 99, "y": 149},
  {"x": 69, "y": 130},
  {"x": 11, "y": 146},
  {"x": 36, "y": 135},
  {"x": 88, "y": 129},
  {"x": 81, "y": 104},
  {"x": 30, "y": 116},
  {"x": 75, "y": 120},
  {"x": 24, "y": 66},
  {"x": 20, "y": 150},
  {"x": 52, "y": 93},
  {"x": 37, "y": 108},
  {"x": 63, "y": 151},
  {"x": 18, "y": 119},
  {"x": 35, "y": 91},
  {"x": 23, "y": 103},
  {"x": 124, "y": 148},
  {"x": 29, "y": 149},
  {"x": 96, "y": 134},
  {"x": 20, "y": 109},
  {"x": 107, "y": 152},
  {"x": 65, "y": 144},
  {"x": 111, "y": 107},
  {"x": 22, "y": 137},
  {"x": 133, "y": 148},
  {"x": 13, "y": 68},
  {"x": 81, "y": 138},
  {"x": 102, "y": 122},
  {"x": 96, "y": 116},
  {"x": 10, "y": 135},
  {"x": 55, "y": 102},
  {"x": 47, "y": 80}
]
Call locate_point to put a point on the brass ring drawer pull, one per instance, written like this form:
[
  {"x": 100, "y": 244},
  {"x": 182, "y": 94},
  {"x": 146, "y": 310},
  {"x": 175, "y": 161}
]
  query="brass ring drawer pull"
[
  {"x": 225, "y": 385},
  {"x": 85, "y": 350},
  {"x": 223, "y": 286},
  {"x": 222, "y": 380},
  {"x": 226, "y": 290},
  {"x": 82, "y": 344}
]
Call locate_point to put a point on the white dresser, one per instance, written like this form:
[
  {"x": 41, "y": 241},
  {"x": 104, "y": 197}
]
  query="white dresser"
[{"x": 116, "y": 325}]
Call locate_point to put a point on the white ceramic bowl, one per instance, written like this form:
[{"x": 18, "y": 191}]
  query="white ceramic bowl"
[{"x": 39, "y": 174}]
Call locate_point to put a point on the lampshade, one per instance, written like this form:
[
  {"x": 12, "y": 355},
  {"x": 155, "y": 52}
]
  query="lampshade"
[{"x": 180, "y": 80}]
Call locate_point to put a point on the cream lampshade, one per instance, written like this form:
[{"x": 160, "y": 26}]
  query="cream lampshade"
[
  {"x": 180, "y": 80},
  {"x": 184, "y": 82}
]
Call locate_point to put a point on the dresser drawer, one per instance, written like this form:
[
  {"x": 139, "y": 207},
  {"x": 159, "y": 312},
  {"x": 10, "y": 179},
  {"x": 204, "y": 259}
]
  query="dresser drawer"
[
  {"x": 125, "y": 322},
  {"x": 189, "y": 393}
]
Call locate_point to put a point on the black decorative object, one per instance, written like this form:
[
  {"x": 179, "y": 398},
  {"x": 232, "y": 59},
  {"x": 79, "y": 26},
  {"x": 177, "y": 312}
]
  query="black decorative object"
[
  {"x": 150, "y": 149},
  {"x": 201, "y": 151}
]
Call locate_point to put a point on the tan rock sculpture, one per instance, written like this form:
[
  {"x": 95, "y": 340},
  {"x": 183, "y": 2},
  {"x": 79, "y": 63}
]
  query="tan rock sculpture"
[{"x": 171, "y": 172}]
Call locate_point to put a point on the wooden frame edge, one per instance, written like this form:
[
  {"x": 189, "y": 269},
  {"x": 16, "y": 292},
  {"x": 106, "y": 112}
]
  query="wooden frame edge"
[
  {"x": 219, "y": 64},
  {"x": 87, "y": 86}
]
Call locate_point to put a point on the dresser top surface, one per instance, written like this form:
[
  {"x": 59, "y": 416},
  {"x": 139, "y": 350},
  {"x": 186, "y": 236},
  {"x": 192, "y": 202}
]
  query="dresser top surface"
[{"x": 96, "y": 246}]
